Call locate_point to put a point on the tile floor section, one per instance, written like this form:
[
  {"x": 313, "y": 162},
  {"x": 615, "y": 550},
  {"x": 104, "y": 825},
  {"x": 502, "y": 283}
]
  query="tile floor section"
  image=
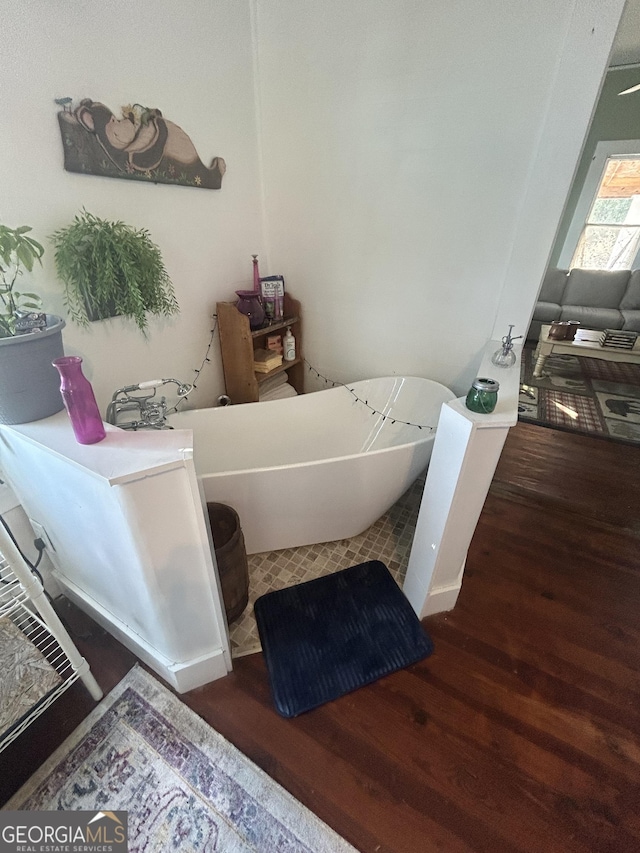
[{"x": 388, "y": 540}]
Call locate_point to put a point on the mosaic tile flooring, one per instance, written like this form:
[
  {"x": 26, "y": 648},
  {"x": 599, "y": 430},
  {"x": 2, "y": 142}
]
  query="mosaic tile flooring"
[{"x": 388, "y": 540}]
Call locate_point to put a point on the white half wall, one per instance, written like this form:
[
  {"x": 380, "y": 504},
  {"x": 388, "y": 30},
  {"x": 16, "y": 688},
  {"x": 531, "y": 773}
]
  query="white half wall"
[
  {"x": 127, "y": 535},
  {"x": 465, "y": 454},
  {"x": 417, "y": 156}
]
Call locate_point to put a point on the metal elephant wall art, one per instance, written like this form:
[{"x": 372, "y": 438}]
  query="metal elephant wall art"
[{"x": 141, "y": 146}]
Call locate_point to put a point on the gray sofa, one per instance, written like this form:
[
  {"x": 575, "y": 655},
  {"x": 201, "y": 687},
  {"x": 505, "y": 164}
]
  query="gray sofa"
[{"x": 599, "y": 299}]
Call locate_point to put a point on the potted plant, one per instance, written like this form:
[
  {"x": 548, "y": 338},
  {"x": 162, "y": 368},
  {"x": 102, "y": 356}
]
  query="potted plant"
[
  {"x": 17, "y": 252},
  {"x": 109, "y": 269},
  {"x": 29, "y": 340}
]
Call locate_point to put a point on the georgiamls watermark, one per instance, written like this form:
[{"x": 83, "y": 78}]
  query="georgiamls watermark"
[{"x": 63, "y": 832}]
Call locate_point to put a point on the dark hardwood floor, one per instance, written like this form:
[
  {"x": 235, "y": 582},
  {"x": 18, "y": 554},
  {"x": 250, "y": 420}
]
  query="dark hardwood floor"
[{"x": 520, "y": 733}]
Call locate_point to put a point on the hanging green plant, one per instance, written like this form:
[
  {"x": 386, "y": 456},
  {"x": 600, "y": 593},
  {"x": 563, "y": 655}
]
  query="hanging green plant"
[{"x": 110, "y": 269}]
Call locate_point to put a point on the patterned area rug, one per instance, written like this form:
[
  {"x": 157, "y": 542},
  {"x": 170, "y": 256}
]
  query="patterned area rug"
[
  {"x": 27, "y": 676},
  {"x": 184, "y": 786},
  {"x": 586, "y": 395}
]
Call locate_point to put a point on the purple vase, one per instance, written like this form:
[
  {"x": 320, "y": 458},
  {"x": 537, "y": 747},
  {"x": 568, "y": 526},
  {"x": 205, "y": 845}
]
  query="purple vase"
[
  {"x": 250, "y": 305},
  {"x": 79, "y": 400}
]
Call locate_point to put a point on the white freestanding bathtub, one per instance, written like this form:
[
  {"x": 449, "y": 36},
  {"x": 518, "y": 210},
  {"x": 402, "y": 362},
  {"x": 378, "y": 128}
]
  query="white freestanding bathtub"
[{"x": 317, "y": 467}]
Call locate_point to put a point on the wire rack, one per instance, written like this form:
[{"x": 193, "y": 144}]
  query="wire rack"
[
  {"x": 12, "y": 593},
  {"x": 38, "y": 636}
]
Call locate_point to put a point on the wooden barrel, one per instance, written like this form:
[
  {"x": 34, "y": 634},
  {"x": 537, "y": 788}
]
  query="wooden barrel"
[{"x": 231, "y": 556}]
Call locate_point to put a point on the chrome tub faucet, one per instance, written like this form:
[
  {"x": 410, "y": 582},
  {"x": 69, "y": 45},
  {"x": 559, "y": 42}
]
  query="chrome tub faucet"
[{"x": 150, "y": 412}]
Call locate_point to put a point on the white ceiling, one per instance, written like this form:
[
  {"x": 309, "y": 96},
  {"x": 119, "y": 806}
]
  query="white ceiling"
[{"x": 626, "y": 47}]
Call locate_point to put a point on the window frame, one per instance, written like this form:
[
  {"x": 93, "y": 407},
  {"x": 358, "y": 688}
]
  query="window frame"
[{"x": 604, "y": 149}]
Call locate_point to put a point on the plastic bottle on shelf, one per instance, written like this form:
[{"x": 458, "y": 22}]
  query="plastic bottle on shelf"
[{"x": 289, "y": 345}]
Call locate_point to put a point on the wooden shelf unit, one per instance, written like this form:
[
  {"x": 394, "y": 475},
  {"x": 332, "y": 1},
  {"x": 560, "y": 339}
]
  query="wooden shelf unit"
[{"x": 237, "y": 345}]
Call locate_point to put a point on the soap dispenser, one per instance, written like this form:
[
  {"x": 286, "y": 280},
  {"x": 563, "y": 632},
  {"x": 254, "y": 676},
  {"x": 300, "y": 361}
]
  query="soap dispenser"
[{"x": 289, "y": 345}]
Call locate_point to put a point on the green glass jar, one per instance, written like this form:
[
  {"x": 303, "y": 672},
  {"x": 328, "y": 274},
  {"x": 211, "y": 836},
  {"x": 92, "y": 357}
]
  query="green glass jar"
[{"x": 482, "y": 396}]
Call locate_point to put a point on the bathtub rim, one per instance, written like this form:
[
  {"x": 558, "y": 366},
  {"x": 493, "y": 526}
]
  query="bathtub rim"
[{"x": 314, "y": 462}]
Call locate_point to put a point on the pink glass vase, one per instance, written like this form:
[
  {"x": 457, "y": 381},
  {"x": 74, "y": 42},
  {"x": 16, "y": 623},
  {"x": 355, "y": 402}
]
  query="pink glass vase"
[{"x": 79, "y": 400}]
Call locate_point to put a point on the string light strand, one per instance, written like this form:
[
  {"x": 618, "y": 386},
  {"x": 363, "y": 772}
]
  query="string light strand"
[
  {"x": 197, "y": 372},
  {"x": 374, "y": 411},
  {"x": 312, "y": 369}
]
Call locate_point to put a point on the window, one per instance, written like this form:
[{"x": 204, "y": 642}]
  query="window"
[{"x": 605, "y": 231}]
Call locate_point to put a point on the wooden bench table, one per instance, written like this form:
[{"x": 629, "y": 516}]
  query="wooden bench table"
[{"x": 586, "y": 345}]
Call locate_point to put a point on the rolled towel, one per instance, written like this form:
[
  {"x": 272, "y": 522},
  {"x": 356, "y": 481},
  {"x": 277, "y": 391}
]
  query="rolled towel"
[
  {"x": 278, "y": 393},
  {"x": 273, "y": 382}
]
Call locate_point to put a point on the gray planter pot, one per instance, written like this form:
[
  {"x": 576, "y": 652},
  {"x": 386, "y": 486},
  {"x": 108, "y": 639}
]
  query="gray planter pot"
[{"x": 29, "y": 383}]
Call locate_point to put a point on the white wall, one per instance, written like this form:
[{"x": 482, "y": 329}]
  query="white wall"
[
  {"x": 193, "y": 61},
  {"x": 416, "y": 160},
  {"x": 17, "y": 520},
  {"x": 410, "y": 148}
]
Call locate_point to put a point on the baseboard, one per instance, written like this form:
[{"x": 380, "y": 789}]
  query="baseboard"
[
  {"x": 442, "y": 599},
  {"x": 182, "y": 676}
]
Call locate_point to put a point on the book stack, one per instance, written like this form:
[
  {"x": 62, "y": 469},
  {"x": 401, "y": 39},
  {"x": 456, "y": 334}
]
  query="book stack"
[
  {"x": 618, "y": 339},
  {"x": 265, "y": 360}
]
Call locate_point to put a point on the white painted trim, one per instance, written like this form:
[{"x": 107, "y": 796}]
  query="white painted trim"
[
  {"x": 258, "y": 113},
  {"x": 129, "y": 458},
  {"x": 197, "y": 671},
  {"x": 604, "y": 149},
  {"x": 442, "y": 600},
  {"x": 210, "y": 560},
  {"x": 182, "y": 675}
]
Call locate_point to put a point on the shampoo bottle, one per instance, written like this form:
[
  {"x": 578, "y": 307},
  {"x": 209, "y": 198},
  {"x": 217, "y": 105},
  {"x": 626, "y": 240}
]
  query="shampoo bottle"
[{"x": 289, "y": 345}]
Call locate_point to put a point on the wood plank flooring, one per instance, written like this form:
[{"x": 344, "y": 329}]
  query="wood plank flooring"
[{"x": 520, "y": 733}]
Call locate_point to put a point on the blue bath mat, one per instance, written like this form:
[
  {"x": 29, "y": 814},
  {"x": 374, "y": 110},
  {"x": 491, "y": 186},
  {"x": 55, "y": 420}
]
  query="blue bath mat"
[{"x": 327, "y": 637}]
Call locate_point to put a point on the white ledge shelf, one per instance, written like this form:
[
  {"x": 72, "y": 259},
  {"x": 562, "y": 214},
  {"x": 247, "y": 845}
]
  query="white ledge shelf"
[
  {"x": 505, "y": 413},
  {"x": 123, "y": 456}
]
